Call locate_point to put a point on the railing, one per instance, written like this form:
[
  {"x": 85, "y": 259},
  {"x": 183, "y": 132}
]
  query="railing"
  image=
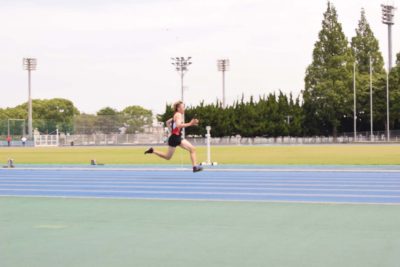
[
  {"x": 378, "y": 136},
  {"x": 46, "y": 140},
  {"x": 112, "y": 139},
  {"x": 158, "y": 138}
]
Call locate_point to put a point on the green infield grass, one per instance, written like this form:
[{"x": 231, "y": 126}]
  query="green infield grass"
[{"x": 261, "y": 155}]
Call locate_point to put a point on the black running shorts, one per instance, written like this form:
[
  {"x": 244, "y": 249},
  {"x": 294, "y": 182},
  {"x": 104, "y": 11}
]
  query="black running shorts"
[{"x": 174, "y": 140}]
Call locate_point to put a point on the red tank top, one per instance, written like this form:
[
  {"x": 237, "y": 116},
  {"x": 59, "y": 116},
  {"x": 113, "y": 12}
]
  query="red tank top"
[{"x": 175, "y": 129}]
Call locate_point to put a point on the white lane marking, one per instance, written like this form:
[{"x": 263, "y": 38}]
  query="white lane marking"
[
  {"x": 201, "y": 193},
  {"x": 241, "y": 183},
  {"x": 197, "y": 187},
  {"x": 355, "y": 203},
  {"x": 201, "y": 179},
  {"x": 362, "y": 170},
  {"x": 219, "y": 178}
]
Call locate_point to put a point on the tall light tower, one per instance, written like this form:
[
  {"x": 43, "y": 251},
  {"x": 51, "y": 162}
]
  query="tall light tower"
[
  {"x": 181, "y": 66},
  {"x": 371, "y": 103},
  {"x": 354, "y": 102},
  {"x": 29, "y": 65},
  {"x": 223, "y": 65},
  {"x": 388, "y": 19}
]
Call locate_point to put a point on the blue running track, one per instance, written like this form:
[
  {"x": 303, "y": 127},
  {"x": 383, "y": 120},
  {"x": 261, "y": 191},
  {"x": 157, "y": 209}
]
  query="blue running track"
[{"x": 291, "y": 185}]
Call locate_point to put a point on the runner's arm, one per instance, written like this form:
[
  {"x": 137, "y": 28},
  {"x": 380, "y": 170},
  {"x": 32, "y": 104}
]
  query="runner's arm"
[
  {"x": 180, "y": 124},
  {"x": 169, "y": 123}
]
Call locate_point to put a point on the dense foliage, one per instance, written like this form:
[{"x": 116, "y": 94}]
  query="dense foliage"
[
  {"x": 61, "y": 114},
  {"x": 325, "y": 106},
  {"x": 272, "y": 115}
]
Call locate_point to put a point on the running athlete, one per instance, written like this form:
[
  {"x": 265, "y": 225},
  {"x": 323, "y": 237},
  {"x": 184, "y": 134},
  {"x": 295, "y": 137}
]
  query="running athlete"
[{"x": 175, "y": 139}]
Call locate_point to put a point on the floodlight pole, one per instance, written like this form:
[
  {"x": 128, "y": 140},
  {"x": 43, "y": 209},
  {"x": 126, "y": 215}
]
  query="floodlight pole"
[
  {"x": 355, "y": 102},
  {"x": 223, "y": 66},
  {"x": 371, "y": 103},
  {"x": 388, "y": 19},
  {"x": 30, "y": 65},
  {"x": 181, "y": 66}
]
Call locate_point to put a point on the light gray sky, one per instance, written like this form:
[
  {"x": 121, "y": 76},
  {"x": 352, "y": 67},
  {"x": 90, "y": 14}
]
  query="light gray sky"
[{"x": 117, "y": 53}]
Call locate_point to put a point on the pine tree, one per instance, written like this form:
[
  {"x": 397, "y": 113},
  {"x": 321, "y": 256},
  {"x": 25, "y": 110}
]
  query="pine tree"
[
  {"x": 366, "y": 47},
  {"x": 394, "y": 96},
  {"x": 328, "y": 83}
]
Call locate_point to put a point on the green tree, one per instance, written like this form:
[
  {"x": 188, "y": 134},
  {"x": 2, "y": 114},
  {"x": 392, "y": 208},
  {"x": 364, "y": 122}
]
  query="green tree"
[
  {"x": 296, "y": 117},
  {"x": 268, "y": 117},
  {"x": 108, "y": 121},
  {"x": 48, "y": 114},
  {"x": 107, "y": 111},
  {"x": 246, "y": 121},
  {"x": 136, "y": 118},
  {"x": 366, "y": 47},
  {"x": 327, "y": 94},
  {"x": 85, "y": 124},
  {"x": 169, "y": 113},
  {"x": 395, "y": 95}
]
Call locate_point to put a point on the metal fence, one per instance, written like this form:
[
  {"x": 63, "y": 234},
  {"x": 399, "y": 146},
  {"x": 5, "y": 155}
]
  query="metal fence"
[
  {"x": 160, "y": 138},
  {"x": 16, "y": 143},
  {"x": 112, "y": 139},
  {"x": 378, "y": 136},
  {"x": 346, "y": 138},
  {"x": 93, "y": 130},
  {"x": 157, "y": 139},
  {"x": 80, "y": 124}
]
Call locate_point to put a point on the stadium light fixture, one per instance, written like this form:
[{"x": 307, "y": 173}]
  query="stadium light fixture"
[
  {"x": 30, "y": 65},
  {"x": 223, "y": 66},
  {"x": 181, "y": 66},
  {"x": 388, "y": 19}
]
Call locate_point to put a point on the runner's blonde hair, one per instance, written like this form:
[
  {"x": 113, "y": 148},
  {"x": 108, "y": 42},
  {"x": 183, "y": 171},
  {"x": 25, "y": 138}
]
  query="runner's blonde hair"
[{"x": 176, "y": 105}]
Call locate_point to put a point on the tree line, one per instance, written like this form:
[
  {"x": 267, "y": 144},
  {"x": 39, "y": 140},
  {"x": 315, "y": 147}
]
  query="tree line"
[
  {"x": 130, "y": 120},
  {"x": 328, "y": 93},
  {"x": 271, "y": 115},
  {"x": 61, "y": 114},
  {"x": 325, "y": 106}
]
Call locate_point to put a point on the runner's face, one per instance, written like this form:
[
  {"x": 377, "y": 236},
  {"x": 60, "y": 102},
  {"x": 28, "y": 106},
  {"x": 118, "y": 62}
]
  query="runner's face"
[{"x": 181, "y": 108}]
